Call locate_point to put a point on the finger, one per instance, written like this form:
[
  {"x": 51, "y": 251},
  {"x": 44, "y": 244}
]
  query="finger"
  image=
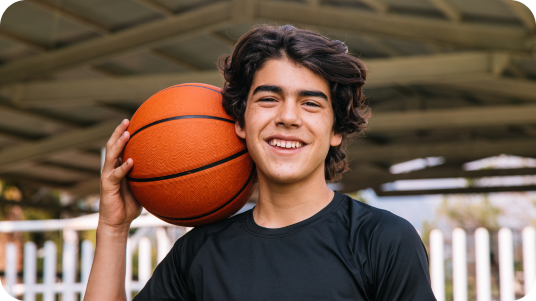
[
  {"x": 119, "y": 130},
  {"x": 119, "y": 173},
  {"x": 113, "y": 154},
  {"x": 117, "y": 133}
]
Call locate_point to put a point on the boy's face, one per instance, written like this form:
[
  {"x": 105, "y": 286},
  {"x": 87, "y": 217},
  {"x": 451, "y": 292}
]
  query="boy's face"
[{"x": 288, "y": 122}]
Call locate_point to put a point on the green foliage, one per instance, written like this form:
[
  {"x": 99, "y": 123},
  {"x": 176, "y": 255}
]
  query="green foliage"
[{"x": 470, "y": 213}]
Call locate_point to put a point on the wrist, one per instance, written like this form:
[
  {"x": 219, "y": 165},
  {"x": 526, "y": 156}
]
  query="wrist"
[{"x": 113, "y": 231}]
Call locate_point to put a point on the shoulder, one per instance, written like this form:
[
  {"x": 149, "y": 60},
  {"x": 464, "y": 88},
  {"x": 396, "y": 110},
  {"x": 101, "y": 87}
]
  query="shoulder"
[
  {"x": 190, "y": 243},
  {"x": 368, "y": 224}
]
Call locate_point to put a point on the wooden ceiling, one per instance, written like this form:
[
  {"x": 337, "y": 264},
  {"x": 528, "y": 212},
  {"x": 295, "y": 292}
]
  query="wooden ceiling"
[{"x": 450, "y": 78}]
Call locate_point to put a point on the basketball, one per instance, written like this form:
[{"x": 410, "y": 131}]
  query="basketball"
[{"x": 190, "y": 167}]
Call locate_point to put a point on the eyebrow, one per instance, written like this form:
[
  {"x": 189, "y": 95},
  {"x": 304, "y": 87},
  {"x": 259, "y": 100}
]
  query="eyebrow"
[
  {"x": 279, "y": 90},
  {"x": 266, "y": 88},
  {"x": 313, "y": 94}
]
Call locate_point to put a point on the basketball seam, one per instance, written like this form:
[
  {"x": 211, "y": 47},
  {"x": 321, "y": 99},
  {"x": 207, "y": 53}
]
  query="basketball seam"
[
  {"x": 191, "y": 171},
  {"x": 178, "y": 118},
  {"x": 250, "y": 177}
]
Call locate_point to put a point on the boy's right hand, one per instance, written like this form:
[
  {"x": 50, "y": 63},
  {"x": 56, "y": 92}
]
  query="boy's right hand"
[{"x": 118, "y": 207}]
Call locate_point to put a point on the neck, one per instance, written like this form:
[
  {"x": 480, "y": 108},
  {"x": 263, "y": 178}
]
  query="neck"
[{"x": 283, "y": 204}]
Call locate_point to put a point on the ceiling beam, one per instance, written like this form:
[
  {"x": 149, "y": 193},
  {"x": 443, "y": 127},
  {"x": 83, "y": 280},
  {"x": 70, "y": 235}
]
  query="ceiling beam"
[
  {"x": 365, "y": 176},
  {"x": 87, "y": 91},
  {"x": 159, "y": 8},
  {"x": 168, "y": 57},
  {"x": 466, "y": 117},
  {"x": 456, "y": 150},
  {"x": 423, "y": 29},
  {"x": 38, "y": 117},
  {"x": 377, "y": 5},
  {"x": 84, "y": 188},
  {"x": 204, "y": 19},
  {"x": 471, "y": 190},
  {"x": 16, "y": 39},
  {"x": 427, "y": 69},
  {"x": 523, "y": 13},
  {"x": 510, "y": 87},
  {"x": 27, "y": 154},
  {"x": 448, "y": 9},
  {"x": 70, "y": 16}
]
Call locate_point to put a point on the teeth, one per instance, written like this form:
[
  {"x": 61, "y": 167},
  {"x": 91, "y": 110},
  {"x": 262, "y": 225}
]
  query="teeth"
[{"x": 285, "y": 144}]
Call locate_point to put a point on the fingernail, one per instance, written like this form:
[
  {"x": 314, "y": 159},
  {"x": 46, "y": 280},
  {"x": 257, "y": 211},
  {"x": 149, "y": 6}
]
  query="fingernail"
[
  {"x": 123, "y": 122},
  {"x": 123, "y": 135}
]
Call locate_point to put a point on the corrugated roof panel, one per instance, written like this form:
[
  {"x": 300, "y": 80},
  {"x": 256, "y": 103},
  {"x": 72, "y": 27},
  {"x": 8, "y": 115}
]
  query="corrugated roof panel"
[{"x": 45, "y": 29}]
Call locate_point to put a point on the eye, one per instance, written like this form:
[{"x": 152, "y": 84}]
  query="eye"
[
  {"x": 312, "y": 104},
  {"x": 269, "y": 99}
]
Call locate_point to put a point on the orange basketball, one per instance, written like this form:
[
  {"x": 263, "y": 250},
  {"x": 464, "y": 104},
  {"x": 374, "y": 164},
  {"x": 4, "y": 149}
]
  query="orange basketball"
[{"x": 190, "y": 168}]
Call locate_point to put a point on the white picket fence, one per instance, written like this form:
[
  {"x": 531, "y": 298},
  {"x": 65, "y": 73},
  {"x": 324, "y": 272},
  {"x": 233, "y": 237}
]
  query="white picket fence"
[
  {"x": 72, "y": 286},
  {"x": 482, "y": 264}
]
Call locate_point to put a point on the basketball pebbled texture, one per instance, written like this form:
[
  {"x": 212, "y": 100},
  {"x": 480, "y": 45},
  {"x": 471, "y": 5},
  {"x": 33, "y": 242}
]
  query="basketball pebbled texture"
[{"x": 190, "y": 168}]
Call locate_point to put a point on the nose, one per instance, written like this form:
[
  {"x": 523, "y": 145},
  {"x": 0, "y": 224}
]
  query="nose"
[{"x": 288, "y": 114}]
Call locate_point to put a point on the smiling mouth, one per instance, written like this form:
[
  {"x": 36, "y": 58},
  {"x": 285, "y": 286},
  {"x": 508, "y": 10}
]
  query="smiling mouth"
[{"x": 285, "y": 143}]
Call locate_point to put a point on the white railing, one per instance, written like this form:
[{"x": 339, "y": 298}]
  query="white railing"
[
  {"x": 482, "y": 264},
  {"x": 72, "y": 286}
]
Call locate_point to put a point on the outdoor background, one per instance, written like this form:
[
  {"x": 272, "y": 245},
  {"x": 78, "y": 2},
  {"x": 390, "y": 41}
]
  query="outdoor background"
[{"x": 451, "y": 84}]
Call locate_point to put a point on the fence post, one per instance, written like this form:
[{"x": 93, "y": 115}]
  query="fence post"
[
  {"x": 506, "y": 265},
  {"x": 87, "y": 261},
  {"x": 529, "y": 258},
  {"x": 459, "y": 264},
  {"x": 128, "y": 274},
  {"x": 483, "y": 269},
  {"x": 437, "y": 264},
  {"x": 69, "y": 265},
  {"x": 11, "y": 267},
  {"x": 30, "y": 266},
  {"x": 144, "y": 261},
  {"x": 49, "y": 271}
]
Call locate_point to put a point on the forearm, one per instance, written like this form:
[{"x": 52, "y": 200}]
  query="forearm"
[{"x": 107, "y": 277}]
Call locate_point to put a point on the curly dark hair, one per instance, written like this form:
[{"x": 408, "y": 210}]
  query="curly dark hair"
[{"x": 328, "y": 58}]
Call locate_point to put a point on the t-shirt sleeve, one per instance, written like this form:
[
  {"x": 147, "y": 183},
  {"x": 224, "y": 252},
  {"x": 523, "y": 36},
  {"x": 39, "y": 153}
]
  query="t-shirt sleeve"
[
  {"x": 398, "y": 262},
  {"x": 168, "y": 281}
]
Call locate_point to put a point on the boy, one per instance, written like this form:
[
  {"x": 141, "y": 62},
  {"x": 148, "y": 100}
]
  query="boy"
[{"x": 296, "y": 96}]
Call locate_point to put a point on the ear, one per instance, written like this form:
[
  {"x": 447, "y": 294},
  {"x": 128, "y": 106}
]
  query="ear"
[
  {"x": 336, "y": 139},
  {"x": 240, "y": 132}
]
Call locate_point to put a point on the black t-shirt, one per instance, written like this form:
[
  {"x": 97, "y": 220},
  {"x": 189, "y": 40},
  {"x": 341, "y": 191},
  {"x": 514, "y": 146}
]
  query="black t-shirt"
[{"x": 347, "y": 251}]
